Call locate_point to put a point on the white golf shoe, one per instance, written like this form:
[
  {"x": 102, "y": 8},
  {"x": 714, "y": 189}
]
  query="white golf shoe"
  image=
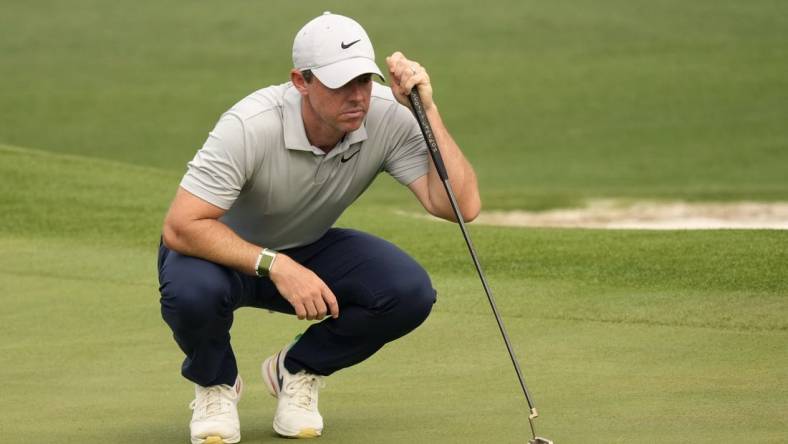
[
  {"x": 296, "y": 412},
  {"x": 215, "y": 416}
]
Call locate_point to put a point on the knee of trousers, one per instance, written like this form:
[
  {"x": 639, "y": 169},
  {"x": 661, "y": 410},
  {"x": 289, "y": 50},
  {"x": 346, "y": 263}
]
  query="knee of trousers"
[
  {"x": 198, "y": 299},
  {"x": 409, "y": 302}
]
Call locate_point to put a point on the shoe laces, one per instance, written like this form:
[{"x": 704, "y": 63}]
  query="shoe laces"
[
  {"x": 213, "y": 400},
  {"x": 302, "y": 388}
]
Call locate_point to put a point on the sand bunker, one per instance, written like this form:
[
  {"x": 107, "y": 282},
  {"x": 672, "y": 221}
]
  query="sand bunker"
[{"x": 612, "y": 214}]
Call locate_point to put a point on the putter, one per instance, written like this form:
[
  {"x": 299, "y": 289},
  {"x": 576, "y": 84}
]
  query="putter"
[{"x": 437, "y": 159}]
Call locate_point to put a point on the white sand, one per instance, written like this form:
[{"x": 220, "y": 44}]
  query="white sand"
[{"x": 613, "y": 214}]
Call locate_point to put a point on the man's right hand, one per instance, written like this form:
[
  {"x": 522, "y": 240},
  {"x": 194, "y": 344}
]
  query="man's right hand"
[{"x": 304, "y": 290}]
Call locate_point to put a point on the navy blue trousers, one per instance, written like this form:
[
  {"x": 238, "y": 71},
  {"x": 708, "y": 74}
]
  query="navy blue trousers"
[{"x": 382, "y": 292}]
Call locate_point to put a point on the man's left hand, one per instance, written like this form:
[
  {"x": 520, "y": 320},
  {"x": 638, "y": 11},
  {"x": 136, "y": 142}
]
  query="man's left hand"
[{"x": 404, "y": 74}]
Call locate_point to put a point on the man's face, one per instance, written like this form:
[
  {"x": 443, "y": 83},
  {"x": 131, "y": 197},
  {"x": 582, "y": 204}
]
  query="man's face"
[{"x": 343, "y": 109}]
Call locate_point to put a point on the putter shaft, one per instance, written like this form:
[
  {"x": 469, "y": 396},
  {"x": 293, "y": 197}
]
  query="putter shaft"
[{"x": 432, "y": 145}]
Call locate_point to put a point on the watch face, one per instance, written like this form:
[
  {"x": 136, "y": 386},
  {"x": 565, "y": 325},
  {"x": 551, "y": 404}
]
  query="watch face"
[{"x": 266, "y": 260}]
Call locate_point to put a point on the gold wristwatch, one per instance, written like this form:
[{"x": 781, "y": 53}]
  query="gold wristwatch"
[{"x": 264, "y": 262}]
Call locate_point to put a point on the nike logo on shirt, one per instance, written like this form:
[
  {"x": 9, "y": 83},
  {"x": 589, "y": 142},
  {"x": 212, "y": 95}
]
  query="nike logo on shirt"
[
  {"x": 345, "y": 159},
  {"x": 344, "y": 46}
]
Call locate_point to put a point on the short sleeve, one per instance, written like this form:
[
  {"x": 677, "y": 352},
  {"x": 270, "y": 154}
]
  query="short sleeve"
[
  {"x": 218, "y": 171},
  {"x": 407, "y": 160}
]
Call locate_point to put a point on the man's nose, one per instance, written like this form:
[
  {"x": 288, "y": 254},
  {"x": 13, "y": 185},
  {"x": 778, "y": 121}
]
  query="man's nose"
[{"x": 355, "y": 90}]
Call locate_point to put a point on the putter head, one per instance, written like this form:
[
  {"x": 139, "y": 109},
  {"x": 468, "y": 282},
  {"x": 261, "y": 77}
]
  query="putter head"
[{"x": 538, "y": 440}]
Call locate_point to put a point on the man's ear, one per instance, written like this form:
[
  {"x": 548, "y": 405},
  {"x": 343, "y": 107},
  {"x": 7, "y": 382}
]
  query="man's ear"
[{"x": 298, "y": 81}]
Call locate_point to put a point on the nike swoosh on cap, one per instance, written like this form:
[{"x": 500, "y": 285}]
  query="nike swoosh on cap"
[{"x": 344, "y": 46}]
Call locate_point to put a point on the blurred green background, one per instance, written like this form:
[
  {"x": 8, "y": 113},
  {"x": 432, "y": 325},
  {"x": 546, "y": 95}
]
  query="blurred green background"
[
  {"x": 666, "y": 99},
  {"x": 625, "y": 336}
]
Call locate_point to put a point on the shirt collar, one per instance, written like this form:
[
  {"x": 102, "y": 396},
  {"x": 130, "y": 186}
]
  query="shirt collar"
[{"x": 295, "y": 134}]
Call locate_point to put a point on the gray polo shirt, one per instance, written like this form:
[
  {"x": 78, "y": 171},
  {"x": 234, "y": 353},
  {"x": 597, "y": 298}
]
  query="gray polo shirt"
[{"x": 281, "y": 192}]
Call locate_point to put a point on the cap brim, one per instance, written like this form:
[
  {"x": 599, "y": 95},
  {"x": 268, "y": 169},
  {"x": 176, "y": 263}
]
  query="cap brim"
[{"x": 337, "y": 74}]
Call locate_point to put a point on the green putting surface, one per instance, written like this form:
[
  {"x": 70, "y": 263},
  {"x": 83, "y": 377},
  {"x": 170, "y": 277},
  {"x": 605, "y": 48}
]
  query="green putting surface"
[{"x": 623, "y": 336}]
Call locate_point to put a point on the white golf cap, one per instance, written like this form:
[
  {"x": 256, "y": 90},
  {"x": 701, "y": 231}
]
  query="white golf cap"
[{"x": 335, "y": 48}]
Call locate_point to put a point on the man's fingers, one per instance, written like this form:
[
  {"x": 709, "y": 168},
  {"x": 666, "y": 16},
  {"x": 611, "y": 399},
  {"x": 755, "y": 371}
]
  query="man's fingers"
[
  {"x": 401, "y": 69},
  {"x": 321, "y": 308},
  {"x": 331, "y": 302},
  {"x": 311, "y": 311},
  {"x": 395, "y": 74},
  {"x": 300, "y": 311},
  {"x": 405, "y": 74},
  {"x": 393, "y": 59},
  {"x": 412, "y": 81},
  {"x": 333, "y": 308},
  {"x": 307, "y": 293},
  {"x": 415, "y": 68}
]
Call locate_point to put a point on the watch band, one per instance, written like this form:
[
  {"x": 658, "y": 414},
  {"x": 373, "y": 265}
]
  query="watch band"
[{"x": 264, "y": 262}]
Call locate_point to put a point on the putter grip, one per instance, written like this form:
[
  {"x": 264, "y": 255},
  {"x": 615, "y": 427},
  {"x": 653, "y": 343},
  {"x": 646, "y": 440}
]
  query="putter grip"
[{"x": 426, "y": 130}]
